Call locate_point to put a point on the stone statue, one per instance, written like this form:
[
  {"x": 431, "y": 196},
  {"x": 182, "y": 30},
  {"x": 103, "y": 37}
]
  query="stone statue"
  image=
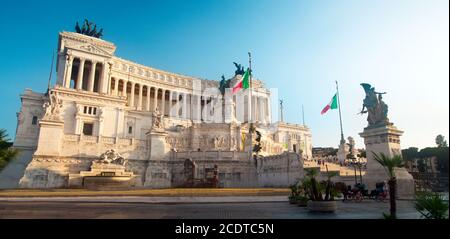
[
  {"x": 111, "y": 157},
  {"x": 89, "y": 29},
  {"x": 375, "y": 107},
  {"x": 52, "y": 107},
  {"x": 157, "y": 120},
  {"x": 239, "y": 70}
]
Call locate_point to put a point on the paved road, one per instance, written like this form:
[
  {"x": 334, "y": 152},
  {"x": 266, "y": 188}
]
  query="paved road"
[{"x": 192, "y": 210}]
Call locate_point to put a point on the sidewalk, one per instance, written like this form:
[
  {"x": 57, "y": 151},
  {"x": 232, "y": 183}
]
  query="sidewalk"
[
  {"x": 142, "y": 199},
  {"x": 171, "y": 192}
]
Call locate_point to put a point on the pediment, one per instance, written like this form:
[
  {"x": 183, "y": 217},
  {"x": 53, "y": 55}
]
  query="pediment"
[{"x": 93, "y": 49}]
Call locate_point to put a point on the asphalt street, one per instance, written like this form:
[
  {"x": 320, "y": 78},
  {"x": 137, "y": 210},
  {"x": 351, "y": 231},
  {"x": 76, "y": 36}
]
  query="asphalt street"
[{"x": 189, "y": 208}]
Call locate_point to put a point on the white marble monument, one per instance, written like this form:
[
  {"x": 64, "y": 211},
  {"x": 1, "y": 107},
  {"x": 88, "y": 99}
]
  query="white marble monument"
[{"x": 153, "y": 118}]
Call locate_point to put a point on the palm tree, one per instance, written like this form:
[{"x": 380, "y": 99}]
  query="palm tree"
[
  {"x": 314, "y": 191},
  {"x": 389, "y": 164},
  {"x": 6, "y": 153},
  {"x": 431, "y": 205}
]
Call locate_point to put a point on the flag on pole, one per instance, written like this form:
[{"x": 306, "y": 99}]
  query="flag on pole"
[
  {"x": 332, "y": 105},
  {"x": 243, "y": 83}
]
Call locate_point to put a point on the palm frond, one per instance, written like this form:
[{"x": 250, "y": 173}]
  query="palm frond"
[{"x": 389, "y": 163}]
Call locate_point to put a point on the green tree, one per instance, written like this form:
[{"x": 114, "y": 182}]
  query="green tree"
[
  {"x": 389, "y": 164},
  {"x": 362, "y": 153},
  {"x": 421, "y": 165},
  {"x": 410, "y": 153},
  {"x": 441, "y": 155},
  {"x": 6, "y": 152},
  {"x": 440, "y": 141}
]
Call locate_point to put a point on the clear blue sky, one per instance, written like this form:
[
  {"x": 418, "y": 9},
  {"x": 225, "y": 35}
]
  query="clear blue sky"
[{"x": 299, "y": 47}]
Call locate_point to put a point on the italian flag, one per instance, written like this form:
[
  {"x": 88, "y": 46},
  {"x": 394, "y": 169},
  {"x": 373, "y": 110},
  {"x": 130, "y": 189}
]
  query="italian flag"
[
  {"x": 243, "y": 83},
  {"x": 332, "y": 105}
]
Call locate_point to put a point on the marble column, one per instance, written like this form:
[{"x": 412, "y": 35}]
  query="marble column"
[
  {"x": 133, "y": 86},
  {"x": 155, "y": 101},
  {"x": 92, "y": 76},
  {"x": 177, "y": 106},
  {"x": 184, "y": 108},
  {"x": 116, "y": 86},
  {"x": 104, "y": 82},
  {"x": 205, "y": 108},
  {"x": 140, "y": 97},
  {"x": 124, "y": 88},
  {"x": 269, "y": 112},
  {"x": 147, "y": 103},
  {"x": 263, "y": 110},
  {"x": 79, "y": 85},
  {"x": 249, "y": 106},
  {"x": 68, "y": 72},
  {"x": 199, "y": 107},
  {"x": 170, "y": 104},
  {"x": 163, "y": 100}
]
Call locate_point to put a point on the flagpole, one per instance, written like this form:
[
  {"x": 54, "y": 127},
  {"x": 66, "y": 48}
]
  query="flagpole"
[
  {"x": 250, "y": 75},
  {"x": 50, "y": 76},
  {"x": 340, "y": 117},
  {"x": 303, "y": 115},
  {"x": 251, "y": 105}
]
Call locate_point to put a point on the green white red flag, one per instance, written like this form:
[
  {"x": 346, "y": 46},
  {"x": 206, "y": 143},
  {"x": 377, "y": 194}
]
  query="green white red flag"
[
  {"x": 243, "y": 83},
  {"x": 332, "y": 105}
]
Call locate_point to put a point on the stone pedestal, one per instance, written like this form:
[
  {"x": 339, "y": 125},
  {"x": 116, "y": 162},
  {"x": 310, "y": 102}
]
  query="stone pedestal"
[
  {"x": 103, "y": 176},
  {"x": 50, "y": 137},
  {"x": 157, "y": 145},
  {"x": 385, "y": 139},
  {"x": 343, "y": 151},
  {"x": 157, "y": 174}
]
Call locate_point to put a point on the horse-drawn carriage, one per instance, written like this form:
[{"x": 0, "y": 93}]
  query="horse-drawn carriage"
[{"x": 359, "y": 192}]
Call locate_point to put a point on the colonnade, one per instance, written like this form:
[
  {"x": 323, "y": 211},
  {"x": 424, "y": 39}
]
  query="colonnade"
[{"x": 93, "y": 76}]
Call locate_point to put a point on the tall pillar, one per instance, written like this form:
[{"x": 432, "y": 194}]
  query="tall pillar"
[
  {"x": 170, "y": 104},
  {"x": 184, "y": 108},
  {"x": 68, "y": 72},
  {"x": 103, "y": 83},
  {"x": 249, "y": 106},
  {"x": 177, "y": 104},
  {"x": 147, "y": 103},
  {"x": 163, "y": 99},
  {"x": 205, "y": 108},
  {"x": 261, "y": 110},
  {"x": 92, "y": 77},
  {"x": 79, "y": 85},
  {"x": 256, "y": 109},
  {"x": 155, "y": 101},
  {"x": 133, "y": 85},
  {"x": 199, "y": 109},
  {"x": 116, "y": 86},
  {"x": 140, "y": 97},
  {"x": 269, "y": 112},
  {"x": 124, "y": 88},
  {"x": 108, "y": 73}
]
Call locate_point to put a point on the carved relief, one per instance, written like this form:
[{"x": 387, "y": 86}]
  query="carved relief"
[{"x": 52, "y": 107}]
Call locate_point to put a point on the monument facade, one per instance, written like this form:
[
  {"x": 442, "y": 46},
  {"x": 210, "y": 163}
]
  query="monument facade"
[{"x": 154, "y": 119}]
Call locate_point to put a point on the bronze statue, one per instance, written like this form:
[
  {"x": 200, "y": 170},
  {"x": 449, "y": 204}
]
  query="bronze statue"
[
  {"x": 240, "y": 69},
  {"x": 224, "y": 84},
  {"x": 375, "y": 107},
  {"x": 89, "y": 29}
]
